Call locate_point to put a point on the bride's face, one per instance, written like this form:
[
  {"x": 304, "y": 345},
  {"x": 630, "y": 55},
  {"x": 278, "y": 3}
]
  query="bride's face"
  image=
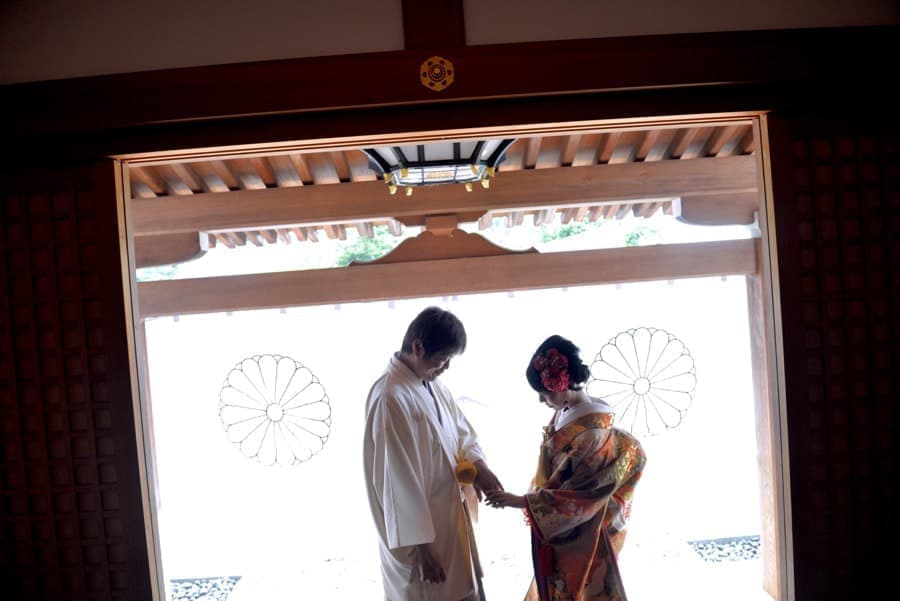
[{"x": 555, "y": 400}]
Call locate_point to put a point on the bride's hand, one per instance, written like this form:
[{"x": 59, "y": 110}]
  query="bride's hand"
[{"x": 501, "y": 498}]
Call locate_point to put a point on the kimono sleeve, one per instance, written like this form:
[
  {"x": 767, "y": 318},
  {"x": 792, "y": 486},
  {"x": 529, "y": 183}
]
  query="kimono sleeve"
[
  {"x": 465, "y": 434},
  {"x": 579, "y": 489},
  {"x": 405, "y": 478}
]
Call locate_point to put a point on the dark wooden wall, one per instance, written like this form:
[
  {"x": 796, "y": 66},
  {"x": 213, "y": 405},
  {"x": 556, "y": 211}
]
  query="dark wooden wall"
[
  {"x": 837, "y": 213},
  {"x": 71, "y": 526}
]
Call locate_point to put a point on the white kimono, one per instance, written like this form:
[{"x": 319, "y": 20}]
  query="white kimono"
[{"x": 410, "y": 456}]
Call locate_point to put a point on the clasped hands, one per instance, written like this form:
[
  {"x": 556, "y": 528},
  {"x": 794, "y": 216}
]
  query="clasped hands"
[
  {"x": 486, "y": 481},
  {"x": 489, "y": 489},
  {"x": 501, "y": 498}
]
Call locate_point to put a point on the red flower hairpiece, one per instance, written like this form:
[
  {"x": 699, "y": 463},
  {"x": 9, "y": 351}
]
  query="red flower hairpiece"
[{"x": 553, "y": 366}]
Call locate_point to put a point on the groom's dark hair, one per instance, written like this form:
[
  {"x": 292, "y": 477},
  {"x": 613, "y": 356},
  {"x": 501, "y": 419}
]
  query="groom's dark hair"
[{"x": 439, "y": 330}]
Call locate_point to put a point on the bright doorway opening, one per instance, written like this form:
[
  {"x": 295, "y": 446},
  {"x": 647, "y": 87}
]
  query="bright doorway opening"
[{"x": 691, "y": 266}]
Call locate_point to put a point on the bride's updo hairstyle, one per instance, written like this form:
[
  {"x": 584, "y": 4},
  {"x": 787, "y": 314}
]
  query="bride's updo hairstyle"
[{"x": 556, "y": 366}]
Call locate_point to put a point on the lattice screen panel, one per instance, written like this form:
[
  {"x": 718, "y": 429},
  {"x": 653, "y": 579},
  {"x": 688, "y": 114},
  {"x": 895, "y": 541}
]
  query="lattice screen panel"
[
  {"x": 71, "y": 520},
  {"x": 837, "y": 211}
]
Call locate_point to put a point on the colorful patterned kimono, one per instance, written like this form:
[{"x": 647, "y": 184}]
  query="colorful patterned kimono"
[{"x": 578, "y": 507}]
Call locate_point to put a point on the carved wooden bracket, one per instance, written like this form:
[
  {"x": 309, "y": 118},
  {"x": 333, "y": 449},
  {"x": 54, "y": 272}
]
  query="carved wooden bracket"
[
  {"x": 443, "y": 240},
  {"x": 441, "y": 225}
]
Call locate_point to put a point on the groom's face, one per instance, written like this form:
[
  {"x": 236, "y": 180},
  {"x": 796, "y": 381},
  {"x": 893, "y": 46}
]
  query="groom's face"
[
  {"x": 433, "y": 365},
  {"x": 436, "y": 364}
]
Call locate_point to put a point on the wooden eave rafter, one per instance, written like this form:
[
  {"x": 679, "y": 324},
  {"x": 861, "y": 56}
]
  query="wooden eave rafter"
[
  {"x": 348, "y": 203},
  {"x": 305, "y": 196},
  {"x": 700, "y": 172}
]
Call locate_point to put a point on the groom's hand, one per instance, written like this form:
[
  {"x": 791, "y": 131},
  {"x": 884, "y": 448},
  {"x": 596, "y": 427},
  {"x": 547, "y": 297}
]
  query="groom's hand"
[
  {"x": 429, "y": 568},
  {"x": 485, "y": 481}
]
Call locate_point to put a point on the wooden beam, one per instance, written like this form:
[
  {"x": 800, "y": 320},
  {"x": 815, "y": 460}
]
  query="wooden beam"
[
  {"x": 364, "y": 201},
  {"x": 360, "y": 283},
  {"x": 698, "y": 145},
  {"x": 341, "y": 166},
  {"x": 211, "y": 176},
  {"x": 720, "y": 137},
  {"x": 607, "y": 211},
  {"x": 829, "y": 57},
  {"x": 626, "y": 148},
  {"x": 224, "y": 172},
  {"x": 733, "y": 145},
  {"x": 336, "y": 231},
  {"x": 264, "y": 169},
  {"x": 568, "y": 215},
  {"x": 433, "y": 24},
  {"x": 544, "y": 216},
  {"x": 286, "y": 175},
  {"x": 224, "y": 238},
  {"x": 358, "y": 164},
  {"x": 661, "y": 148},
  {"x": 647, "y": 144},
  {"x": 146, "y": 176},
  {"x": 247, "y": 174},
  {"x": 570, "y": 150},
  {"x": 150, "y": 251},
  {"x": 366, "y": 229},
  {"x": 766, "y": 419},
  {"x": 139, "y": 190},
  {"x": 186, "y": 174},
  {"x": 238, "y": 238},
  {"x": 724, "y": 209},
  {"x": 605, "y": 150},
  {"x": 532, "y": 151},
  {"x": 175, "y": 186},
  {"x": 299, "y": 162}
]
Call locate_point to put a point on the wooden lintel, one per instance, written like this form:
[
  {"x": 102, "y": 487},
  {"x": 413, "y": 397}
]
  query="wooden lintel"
[
  {"x": 359, "y": 283},
  {"x": 151, "y": 251},
  {"x": 364, "y": 201}
]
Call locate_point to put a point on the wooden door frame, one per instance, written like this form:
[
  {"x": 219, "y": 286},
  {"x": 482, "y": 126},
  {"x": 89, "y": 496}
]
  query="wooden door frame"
[{"x": 750, "y": 257}]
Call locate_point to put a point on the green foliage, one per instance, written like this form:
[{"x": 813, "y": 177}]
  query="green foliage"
[
  {"x": 162, "y": 272},
  {"x": 639, "y": 234},
  {"x": 368, "y": 249},
  {"x": 633, "y": 238},
  {"x": 564, "y": 231}
]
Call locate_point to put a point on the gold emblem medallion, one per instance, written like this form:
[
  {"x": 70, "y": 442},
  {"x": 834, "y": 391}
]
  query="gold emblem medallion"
[{"x": 436, "y": 73}]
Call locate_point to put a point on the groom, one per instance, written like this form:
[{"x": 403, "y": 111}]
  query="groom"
[{"x": 415, "y": 437}]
